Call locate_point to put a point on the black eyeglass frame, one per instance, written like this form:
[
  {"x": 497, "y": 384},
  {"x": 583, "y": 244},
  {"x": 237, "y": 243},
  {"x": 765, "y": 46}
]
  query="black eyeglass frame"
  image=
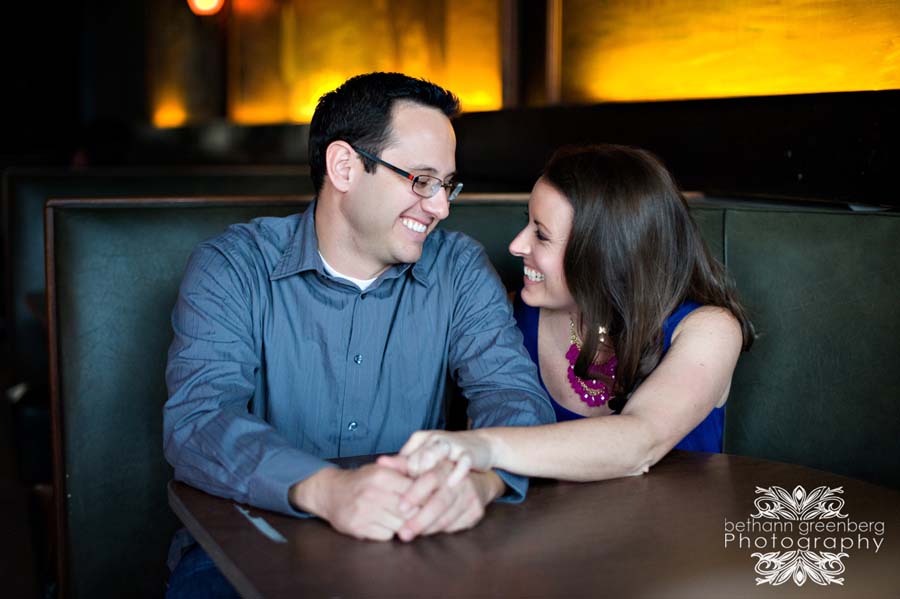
[{"x": 453, "y": 189}]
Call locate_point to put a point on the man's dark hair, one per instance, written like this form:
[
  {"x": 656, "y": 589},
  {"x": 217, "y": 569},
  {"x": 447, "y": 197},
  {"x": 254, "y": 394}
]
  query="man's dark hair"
[{"x": 359, "y": 112}]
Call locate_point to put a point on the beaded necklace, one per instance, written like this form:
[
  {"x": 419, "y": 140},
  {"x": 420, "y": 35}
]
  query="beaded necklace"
[{"x": 593, "y": 392}]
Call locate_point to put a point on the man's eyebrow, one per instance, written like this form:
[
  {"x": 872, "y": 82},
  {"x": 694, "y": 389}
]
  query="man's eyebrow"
[{"x": 430, "y": 170}]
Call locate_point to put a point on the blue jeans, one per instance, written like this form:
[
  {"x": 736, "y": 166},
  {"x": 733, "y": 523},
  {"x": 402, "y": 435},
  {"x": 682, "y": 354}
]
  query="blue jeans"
[{"x": 197, "y": 576}]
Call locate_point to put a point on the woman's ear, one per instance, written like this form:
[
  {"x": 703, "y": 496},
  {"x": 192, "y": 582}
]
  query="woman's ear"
[{"x": 340, "y": 165}]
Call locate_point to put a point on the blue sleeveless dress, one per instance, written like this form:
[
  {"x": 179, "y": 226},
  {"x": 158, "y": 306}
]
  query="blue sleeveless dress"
[{"x": 708, "y": 434}]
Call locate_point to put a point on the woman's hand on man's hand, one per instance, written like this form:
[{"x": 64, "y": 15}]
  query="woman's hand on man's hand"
[{"x": 469, "y": 450}]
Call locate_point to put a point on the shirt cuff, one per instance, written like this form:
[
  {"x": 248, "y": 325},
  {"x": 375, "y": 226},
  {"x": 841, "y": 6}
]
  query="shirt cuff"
[
  {"x": 516, "y": 487},
  {"x": 270, "y": 485}
]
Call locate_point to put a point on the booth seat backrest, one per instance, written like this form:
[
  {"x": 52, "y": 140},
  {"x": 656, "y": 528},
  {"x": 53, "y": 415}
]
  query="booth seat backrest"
[
  {"x": 113, "y": 275},
  {"x": 25, "y": 190},
  {"x": 817, "y": 388},
  {"x": 821, "y": 385},
  {"x": 113, "y": 272}
]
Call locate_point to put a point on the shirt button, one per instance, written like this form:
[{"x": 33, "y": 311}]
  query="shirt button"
[
  {"x": 363, "y": 296},
  {"x": 352, "y": 426},
  {"x": 358, "y": 358}
]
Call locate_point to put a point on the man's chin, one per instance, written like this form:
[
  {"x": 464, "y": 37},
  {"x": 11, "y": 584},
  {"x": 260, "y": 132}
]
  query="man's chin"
[{"x": 409, "y": 255}]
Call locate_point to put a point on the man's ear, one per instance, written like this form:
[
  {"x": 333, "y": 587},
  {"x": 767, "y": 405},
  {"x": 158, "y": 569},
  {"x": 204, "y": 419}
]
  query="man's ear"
[{"x": 340, "y": 165}]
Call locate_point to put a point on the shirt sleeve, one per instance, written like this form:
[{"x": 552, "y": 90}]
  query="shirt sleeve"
[
  {"x": 488, "y": 359},
  {"x": 211, "y": 438}
]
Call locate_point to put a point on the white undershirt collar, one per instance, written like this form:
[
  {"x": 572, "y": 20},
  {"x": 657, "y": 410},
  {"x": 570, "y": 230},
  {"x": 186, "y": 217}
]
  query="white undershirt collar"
[{"x": 363, "y": 284}]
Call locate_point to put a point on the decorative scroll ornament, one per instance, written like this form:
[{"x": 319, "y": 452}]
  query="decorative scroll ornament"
[
  {"x": 777, "y": 504},
  {"x": 777, "y": 568}
]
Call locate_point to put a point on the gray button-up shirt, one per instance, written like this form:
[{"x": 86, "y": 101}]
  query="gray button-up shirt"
[{"x": 276, "y": 365}]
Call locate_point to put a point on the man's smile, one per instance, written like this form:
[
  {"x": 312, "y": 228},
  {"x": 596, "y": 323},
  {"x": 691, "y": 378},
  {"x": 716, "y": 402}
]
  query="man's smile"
[{"x": 413, "y": 225}]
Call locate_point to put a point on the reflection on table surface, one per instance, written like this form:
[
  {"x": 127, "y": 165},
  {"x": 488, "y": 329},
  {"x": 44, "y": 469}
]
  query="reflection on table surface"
[{"x": 661, "y": 534}]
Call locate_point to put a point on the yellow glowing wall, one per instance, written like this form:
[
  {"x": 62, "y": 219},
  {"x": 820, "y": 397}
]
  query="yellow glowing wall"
[
  {"x": 185, "y": 71},
  {"x": 171, "y": 44},
  {"x": 284, "y": 55},
  {"x": 668, "y": 49}
]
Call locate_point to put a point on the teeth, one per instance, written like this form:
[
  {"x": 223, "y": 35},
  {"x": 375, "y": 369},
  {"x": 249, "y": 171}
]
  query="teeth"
[
  {"x": 533, "y": 275},
  {"x": 413, "y": 225}
]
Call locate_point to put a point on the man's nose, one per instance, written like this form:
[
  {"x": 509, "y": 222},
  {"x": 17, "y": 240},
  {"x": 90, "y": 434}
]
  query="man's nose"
[{"x": 438, "y": 205}]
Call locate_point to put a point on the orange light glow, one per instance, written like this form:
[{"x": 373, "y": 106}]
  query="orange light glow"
[
  {"x": 306, "y": 93},
  {"x": 252, "y": 7},
  {"x": 671, "y": 49},
  {"x": 473, "y": 55},
  {"x": 284, "y": 60},
  {"x": 205, "y": 7},
  {"x": 258, "y": 113},
  {"x": 170, "y": 113}
]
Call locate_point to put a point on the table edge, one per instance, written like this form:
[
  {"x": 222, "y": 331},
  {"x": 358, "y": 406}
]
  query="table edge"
[{"x": 228, "y": 568}]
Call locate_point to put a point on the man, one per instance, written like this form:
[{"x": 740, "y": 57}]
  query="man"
[{"x": 339, "y": 327}]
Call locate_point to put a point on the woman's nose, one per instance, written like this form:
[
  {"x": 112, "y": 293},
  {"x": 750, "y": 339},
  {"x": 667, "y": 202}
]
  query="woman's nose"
[{"x": 518, "y": 246}]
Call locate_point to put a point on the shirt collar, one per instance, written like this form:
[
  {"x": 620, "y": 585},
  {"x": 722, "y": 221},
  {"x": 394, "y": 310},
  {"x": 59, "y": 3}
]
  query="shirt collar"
[
  {"x": 302, "y": 254},
  {"x": 422, "y": 270}
]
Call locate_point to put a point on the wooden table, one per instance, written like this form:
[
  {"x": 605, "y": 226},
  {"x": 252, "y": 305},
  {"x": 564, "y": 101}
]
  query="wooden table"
[{"x": 657, "y": 535}]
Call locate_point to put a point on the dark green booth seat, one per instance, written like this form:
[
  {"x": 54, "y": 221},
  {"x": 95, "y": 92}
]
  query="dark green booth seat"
[
  {"x": 817, "y": 389},
  {"x": 114, "y": 267},
  {"x": 821, "y": 385},
  {"x": 23, "y": 336},
  {"x": 25, "y": 190},
  {"x": 113, "y": 272}
]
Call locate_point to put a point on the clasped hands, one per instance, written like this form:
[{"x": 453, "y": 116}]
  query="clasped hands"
[{"x": 426, "y": 489}]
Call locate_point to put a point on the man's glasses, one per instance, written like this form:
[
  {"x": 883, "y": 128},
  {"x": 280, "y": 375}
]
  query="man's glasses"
[{"x": 424, "y": 186}]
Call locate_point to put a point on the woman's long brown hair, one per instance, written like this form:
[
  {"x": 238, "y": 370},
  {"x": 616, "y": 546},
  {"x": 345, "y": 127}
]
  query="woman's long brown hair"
[{"x": 633, "y": 257}]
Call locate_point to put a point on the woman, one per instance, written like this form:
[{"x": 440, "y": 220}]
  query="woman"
[{"x": 633, "y": 326}]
